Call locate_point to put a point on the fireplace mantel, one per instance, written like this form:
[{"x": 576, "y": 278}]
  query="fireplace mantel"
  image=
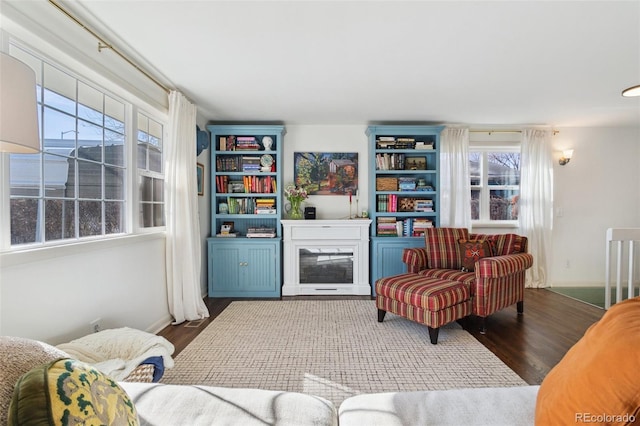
[{"x": 326, "y": 257}]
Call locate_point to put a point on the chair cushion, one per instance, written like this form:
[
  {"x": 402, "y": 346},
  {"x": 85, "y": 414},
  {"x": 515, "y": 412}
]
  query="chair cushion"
[
  {"x": 472, "y": 251},
  {"x": 442, "y": 247},
  {"x": 68, "y": 391},
  {"x": 433, "y": 294},
  {"x": 19, "y": 355},
  {"x": 598, "y": 377}
]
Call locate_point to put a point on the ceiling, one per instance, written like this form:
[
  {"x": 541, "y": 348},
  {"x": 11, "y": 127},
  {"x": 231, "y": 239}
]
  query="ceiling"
[{"x": 562, "y": 64}]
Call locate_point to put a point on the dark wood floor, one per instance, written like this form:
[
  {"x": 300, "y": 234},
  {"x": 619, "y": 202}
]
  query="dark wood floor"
[{"x": 530, "y": 344}]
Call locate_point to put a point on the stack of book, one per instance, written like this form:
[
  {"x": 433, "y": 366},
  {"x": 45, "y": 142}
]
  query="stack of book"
[
  {"x": 247, "y": 143},
  {"x": 405, "y": 143},
  {"x": 261, "y": 232},
  {"x": 265, "y": 206},
  {"x": 420, "y": 225},
  {"x": 386, "y": 227},
  {"x": 385, "y": 142},
  {"x": 423, "y": 206},
  {"x": 424, "y": 145},
  {"x": 250, "y": 164}
]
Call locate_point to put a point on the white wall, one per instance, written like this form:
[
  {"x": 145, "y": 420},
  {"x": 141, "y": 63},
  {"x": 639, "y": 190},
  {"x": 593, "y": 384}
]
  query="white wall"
[
  {"x": 597, "y": 190},
  {"x": 53, "y": 294},
  {"x": 329, "y": 138}
]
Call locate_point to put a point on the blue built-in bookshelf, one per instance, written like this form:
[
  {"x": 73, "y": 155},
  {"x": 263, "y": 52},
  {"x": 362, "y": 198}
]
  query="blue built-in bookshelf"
[
  {"x": 404, "y": 192},
  {"x": 244, "y": 250}
]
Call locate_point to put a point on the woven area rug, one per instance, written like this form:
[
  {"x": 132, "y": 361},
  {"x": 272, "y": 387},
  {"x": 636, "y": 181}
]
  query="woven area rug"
[{"x": 334, "y": 349}]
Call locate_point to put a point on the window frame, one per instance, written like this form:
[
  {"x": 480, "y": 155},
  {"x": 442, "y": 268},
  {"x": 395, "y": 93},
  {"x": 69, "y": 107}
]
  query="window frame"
[
  {"x": 485, "y": 148},
  {"x": 130, "y": 209}
]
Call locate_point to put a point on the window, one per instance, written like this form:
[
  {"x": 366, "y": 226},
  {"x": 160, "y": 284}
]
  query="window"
[
  {"x": 150, "y": 172},
  {"x": 495, "y": 183},
  {"x": 76, "y": 186}
]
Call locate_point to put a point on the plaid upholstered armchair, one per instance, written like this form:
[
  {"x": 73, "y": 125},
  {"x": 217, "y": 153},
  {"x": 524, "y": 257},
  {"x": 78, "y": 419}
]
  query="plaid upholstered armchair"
[{"x": 492, "y": 265}]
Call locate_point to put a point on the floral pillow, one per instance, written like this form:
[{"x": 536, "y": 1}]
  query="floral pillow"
[
  {"x": 66, "y": 392},
  {"x": 473, "y": 250}
]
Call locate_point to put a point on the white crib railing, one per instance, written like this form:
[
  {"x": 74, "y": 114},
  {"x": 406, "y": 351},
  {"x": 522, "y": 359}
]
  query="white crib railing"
[{"x": 620, "y": 236}]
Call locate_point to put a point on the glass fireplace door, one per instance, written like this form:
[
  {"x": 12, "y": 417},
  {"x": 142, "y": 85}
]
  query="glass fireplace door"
[{"x": 328, "y": 265}]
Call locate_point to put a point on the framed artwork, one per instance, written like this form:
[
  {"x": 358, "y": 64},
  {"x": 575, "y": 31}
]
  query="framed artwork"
[
  {"x": 415, "y": 163},
  {"x": 200, "y": 177},
  {"x": 326, "y": 173}
]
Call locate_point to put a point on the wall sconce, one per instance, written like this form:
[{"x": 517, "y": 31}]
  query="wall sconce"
[
  {"x": 566, "y": 157},
  {"x": 18, "y": 107}
]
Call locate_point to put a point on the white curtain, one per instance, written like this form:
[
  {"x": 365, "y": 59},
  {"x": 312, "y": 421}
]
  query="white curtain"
[
  {"x": 183, "y": 247},
  {"x": 455, "y": 185},
  {"x": 536, "y": 201}
]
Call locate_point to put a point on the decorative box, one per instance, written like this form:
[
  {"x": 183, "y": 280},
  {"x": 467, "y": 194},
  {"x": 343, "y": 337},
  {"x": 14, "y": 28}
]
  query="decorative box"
[
  {"x": 386, "y": 184},
  {"x": 407, "y": 184}
]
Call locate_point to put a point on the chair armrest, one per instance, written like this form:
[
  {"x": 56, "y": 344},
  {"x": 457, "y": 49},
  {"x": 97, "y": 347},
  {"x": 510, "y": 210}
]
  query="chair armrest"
[
  {"x": 415, "y": 258},
  {"x": 502, "y": 266}
]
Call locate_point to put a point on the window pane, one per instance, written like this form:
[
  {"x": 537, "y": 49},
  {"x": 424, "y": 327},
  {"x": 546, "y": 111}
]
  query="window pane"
[
  {"x": 155, "y": 159},
  {"x": 24, "y": 220},
  {"x": 146, "y": 215},
  {"x": 114, "y": 183},
  {"x": 90, "y": 216},
  {"x": 158, "y": 215},
  {"x": 115, "y": 112},
  {"x": 504, "y": 204},
  {"x": 114, "y": 151},
  {"x": 475, "y": 204},
  {"x": 59, "y": 132},
  {"x": 158, "y": 190},
  {"x": 60, "y": 89},
  {"x": 504, "y": 168},
  {"x": 59, "y": 178},
  {"x": 475, "y": 168},
  {"x": 90, "y": 104},
  {"x": 114, "y": 217},
  {"x": 89, "y": 180},
  {"x": 25, "y": 175},
  {"x": 146, "y": 189},
  {"x": 54, "y": 219},
  {"x": 142, "y": 156},
  {"x": 90, "y": 136}
]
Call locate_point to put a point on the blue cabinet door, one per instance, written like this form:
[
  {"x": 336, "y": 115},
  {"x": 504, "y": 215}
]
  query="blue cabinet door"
[
  {"x": 387, "y": 257},
  {"x": 244, "y": 268},
  {"x": 262, "y": 272}
]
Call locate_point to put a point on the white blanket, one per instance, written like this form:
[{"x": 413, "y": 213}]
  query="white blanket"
[{"x": 117, "y": 352}]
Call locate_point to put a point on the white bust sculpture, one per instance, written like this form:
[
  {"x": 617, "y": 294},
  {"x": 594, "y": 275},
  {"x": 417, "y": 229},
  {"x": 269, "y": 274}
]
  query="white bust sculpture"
[{"x": 267, "y": 141}]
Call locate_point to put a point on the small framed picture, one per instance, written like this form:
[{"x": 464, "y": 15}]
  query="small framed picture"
[
  {"x": 415, "y": 163},
  {"x": 200, "y": 176}
]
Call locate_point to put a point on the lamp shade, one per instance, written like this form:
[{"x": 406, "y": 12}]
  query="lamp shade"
[
  {"x": 631, "y": 91},
  {"x": 18, "y": 107}
]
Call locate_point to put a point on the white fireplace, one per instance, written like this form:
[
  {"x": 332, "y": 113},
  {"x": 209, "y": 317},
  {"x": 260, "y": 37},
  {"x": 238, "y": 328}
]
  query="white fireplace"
[{"x": 326, "y": 257}]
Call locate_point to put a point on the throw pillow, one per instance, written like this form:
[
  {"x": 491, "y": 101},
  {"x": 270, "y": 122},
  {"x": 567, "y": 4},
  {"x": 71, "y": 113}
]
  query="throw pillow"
[
  {"x": 473, "y": 250},
  {"x": 442, "y": 247},
  {"x": 19, "y": 355},
  {"x": 597, "y": 380},
  {"x": 67, "y": 391}
]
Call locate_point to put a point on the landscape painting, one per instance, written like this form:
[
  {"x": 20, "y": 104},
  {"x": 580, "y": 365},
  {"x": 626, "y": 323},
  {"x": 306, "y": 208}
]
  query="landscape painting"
[{"x": 326, "y": 173}]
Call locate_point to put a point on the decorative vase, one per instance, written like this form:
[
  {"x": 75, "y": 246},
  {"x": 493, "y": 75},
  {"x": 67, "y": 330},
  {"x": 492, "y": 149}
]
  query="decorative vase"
[{"x": 294, "y": 210}]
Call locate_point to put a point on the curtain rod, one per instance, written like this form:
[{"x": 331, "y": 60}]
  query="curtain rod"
[
  {"x": 555, "y": 132},
  {"x": 103, "y": 44}
]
